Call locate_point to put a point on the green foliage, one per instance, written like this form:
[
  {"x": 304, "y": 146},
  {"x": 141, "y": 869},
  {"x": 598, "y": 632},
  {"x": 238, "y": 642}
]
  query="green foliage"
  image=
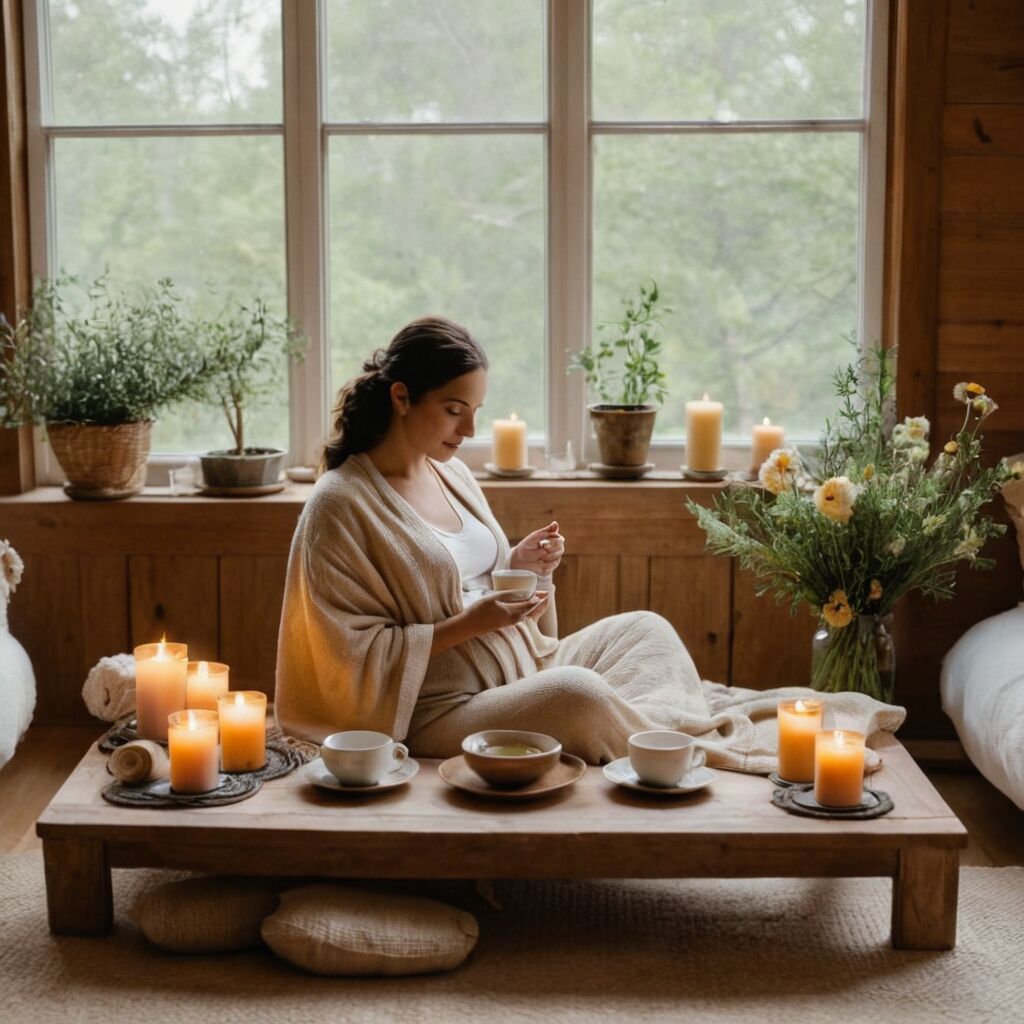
[
  {"x": 872, "y": 521},
  {"x": 118, "y": 360},
  {"x": 637, "y": 378},
  {"x": 247, "y": 351}
]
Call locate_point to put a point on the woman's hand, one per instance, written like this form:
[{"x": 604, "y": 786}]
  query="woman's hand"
[
  {"x": 495, "y": 612},
  {"x": 540, "y": 552}
]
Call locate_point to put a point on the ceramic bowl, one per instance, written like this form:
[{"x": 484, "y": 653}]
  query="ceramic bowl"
[{"x": 506, "y": 771}]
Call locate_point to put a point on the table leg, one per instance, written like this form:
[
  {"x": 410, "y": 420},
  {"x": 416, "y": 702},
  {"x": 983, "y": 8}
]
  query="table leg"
[
  {"x": 924, "y": 898},
  {"x": 79, "y": 900}
]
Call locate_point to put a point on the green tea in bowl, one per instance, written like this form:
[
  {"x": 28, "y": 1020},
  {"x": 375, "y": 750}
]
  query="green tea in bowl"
[{"x": 509, "y": 758}]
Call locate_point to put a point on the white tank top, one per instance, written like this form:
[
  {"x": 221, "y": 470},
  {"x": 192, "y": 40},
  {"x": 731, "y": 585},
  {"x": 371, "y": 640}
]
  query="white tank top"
[{"x": 474, "y": 549}]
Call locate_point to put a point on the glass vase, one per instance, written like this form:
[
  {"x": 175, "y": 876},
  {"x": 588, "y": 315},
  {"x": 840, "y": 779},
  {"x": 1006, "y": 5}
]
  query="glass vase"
[{"x": 860, "y": 657}]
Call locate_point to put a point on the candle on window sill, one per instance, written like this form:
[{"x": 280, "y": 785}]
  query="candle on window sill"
[
  {"x": 243, "y": 730},
  {"x": 839, "y": 768},
  {"x": 704, "y": 435},
  {"x": 765, "y": 438},
  {"x": 161, "y": 672},
  {"x": 207, "y": 680},
  {"x": 192, "y": 748},
  {"x": 508, "y": 445},
  {"x": 799, "y": 725}
]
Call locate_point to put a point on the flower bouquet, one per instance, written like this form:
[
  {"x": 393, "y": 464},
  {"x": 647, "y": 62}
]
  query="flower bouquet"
[{"x": 867, "y": 520}]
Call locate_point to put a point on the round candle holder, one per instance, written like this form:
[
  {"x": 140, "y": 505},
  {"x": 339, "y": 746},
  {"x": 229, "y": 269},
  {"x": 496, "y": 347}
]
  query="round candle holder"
[
  {"x": 800, "y": 800},
  {"x": 703, "y": 475},
  {"x": 522, "y": 473}
]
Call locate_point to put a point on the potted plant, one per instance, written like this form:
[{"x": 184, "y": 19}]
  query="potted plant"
[
  {"x": 247, "y": 351},
  {"x": 95, "y": 370},
  {"x": 622, "y": 372}
]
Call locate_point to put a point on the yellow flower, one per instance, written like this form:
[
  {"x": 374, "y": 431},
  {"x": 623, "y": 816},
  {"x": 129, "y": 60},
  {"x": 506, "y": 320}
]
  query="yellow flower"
[
  {"x": 975, "y": 389},
  {"x": 951, "y": 447},
  {"x": 780, "y": 470},
  {"x": 964, "y": 391},
  {"x": 835, "y": 498},
  {"x": 876, "y": 591},
  {"x": 869, "y": 471},
  {"x": 837, "y": 611}
]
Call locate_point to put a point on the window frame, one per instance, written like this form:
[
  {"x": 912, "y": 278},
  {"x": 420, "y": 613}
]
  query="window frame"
[{"x": 569, "y": 133}]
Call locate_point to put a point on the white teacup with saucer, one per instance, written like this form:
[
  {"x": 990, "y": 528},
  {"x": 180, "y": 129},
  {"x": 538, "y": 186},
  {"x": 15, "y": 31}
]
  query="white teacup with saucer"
[{"x": 661, "y": 761}]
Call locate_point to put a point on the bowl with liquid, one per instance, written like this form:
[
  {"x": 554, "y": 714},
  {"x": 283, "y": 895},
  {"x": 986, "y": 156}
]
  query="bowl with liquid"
[{"x": 507, "y": 758}]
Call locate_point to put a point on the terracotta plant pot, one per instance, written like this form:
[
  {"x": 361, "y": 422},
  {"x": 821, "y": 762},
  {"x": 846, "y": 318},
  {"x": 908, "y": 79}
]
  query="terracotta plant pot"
[
  {"x": 623, "y": 432},
  {"x": 101, "y": 463},
  {"x": 254, "y": 468}
]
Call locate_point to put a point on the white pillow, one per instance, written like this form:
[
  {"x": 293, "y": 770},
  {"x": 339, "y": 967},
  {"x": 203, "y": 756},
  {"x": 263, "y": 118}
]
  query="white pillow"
[
  {"x": 333, "y": 929},
  {"x": 205, "y": 915}
]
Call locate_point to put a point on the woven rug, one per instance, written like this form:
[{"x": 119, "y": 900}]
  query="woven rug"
[{"x": 710, "y": 950}]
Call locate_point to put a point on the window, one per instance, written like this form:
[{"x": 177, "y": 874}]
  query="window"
[{"x": 521, "y": 167}]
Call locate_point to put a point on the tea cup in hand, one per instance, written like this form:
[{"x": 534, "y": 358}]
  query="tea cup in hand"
[
  {"x": 360, "y": 757},
  {"x": 662, "y": 757},
  {"x": 516, "y": 584}
]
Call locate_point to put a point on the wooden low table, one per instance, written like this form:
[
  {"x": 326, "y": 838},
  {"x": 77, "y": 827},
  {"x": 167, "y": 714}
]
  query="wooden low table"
[{"x": 593, "y": 829}]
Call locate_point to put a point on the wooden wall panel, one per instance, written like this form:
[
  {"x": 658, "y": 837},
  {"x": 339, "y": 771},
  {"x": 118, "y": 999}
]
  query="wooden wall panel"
[
  {"x": 587, "y": 589},
  {"x": 983, "y": 129},
  {"x": 106, "y": 619},
  {"x": 634, "y": 583},
  {"x": 176, "y": 595},
  {"x": 251, "y": 594},
  {"x": 694, "y": 594},
  {"x": 974, "y": 241},
  {"x": 982, "y": 352},
  {"x": 770, "y": 647},
  {"x": 46, "y": 617}
]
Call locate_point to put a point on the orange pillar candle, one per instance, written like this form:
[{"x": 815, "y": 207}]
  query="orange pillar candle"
[
  {"x": 508, "y": 446},
  {"x": 704, "y": 435},
  {"x": 799, "y": 724},
  {"x": 192, "y": 746},
  {"x": 243, "y": 730},
  {"x": 764, "y": 439},
  {"x": 839, "y": 768},
  {"x": 207, "y": 680},
  {"x": 161, "y": 671}
]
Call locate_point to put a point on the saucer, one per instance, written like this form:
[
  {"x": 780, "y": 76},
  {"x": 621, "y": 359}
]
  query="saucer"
[
  {"x": 703, "y": 474},
  {"x": 457, "y": 773},
  {"x": 621, "y": 773},
  {"x": 620, "y": 472},
  {"x": 317, "y": 773},
  {"x": 509, "y": 474}
]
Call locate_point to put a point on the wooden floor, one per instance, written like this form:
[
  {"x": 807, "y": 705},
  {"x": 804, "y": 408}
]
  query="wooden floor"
[{"x": 48, "y": 754}]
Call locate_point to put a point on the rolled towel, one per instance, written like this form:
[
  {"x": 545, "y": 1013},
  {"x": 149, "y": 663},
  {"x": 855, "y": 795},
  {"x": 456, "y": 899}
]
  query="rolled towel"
[
  {"x": 139, "y": 761},
  {"x": 109, "y": 691}
]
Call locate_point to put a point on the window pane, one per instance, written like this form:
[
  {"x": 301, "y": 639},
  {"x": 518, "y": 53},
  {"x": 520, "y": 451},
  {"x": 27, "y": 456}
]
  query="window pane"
[
  {"x": 753, "y": 242},
  {"x": 165, "y": 61},
  {"x": 705, "y": 60},
  {"x": 208, "y": 213},
  {"x": 435, "y": 60},
  {"x": 448, "y": 225}
]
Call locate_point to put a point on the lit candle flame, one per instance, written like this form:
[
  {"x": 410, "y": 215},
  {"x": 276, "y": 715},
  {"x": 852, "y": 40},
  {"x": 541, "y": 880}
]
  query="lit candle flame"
[
  {"x": 204, "y": 670},
  {"x": 800, "y": 706},
  {"x": 766, "y": 422},
  {"x": 239, "y": 698},
  {"x": 839, "y": 736},
  {"x": 513, "y": 416},
  {"x": 706, "y": 398},
  {"x": 161, "y": 648},
  {"x": 192, "y": 724}
]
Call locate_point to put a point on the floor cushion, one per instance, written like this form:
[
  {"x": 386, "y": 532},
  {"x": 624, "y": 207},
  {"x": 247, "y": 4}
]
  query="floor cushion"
[
  {"x": 982, "y": 684},
  {"x": 205, "y": 915},
  {"x": 334, "y": 929}
]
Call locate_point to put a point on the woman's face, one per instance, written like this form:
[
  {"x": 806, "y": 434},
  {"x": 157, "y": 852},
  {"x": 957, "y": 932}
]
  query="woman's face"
[{"x": 442, "y": 419}]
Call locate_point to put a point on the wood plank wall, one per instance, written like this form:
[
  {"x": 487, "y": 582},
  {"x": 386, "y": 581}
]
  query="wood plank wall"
[
  {"x": 960, "y": 314},
  {"x": 213, "y": 574}
]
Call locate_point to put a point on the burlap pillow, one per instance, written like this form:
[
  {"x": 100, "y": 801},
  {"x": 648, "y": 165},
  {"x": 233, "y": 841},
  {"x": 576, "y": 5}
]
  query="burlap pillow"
[
  {"x": 205, "y": 915},
  {"x": 332, "y": 929}
]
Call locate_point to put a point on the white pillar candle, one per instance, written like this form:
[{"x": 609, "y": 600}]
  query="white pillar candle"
[
  {"x": 243, "y": 730},
  {"x": 839, "y": 768},
  {"x": 192, "y": 747},
  {"x": 799, "y": 724},
  {"x": 704, "y": 435},
  {"x": 207, "y": 680},
  {"x": 765, "y": 438},
  {"x": 161, "y": 672},
  {"x": 508, "y": 446}
]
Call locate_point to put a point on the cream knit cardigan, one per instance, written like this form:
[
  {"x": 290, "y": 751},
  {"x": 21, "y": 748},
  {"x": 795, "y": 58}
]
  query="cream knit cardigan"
[{"x": 367, "y": 579}]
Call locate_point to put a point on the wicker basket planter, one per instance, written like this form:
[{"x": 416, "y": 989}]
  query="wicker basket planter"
[{"x": 101, "y": 463}]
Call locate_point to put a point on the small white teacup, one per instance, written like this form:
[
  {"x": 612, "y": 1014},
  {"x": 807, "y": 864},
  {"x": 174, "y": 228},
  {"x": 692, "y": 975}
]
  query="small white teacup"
[
  {"x": 516, "y": 584},
  {"x": 360, "y": 757},
  {"x": 662, "y": 757}
]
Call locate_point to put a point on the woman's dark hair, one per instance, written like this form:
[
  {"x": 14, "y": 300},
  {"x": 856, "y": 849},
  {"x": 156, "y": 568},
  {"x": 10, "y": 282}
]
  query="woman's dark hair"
[{"x": 424, "y": 355}]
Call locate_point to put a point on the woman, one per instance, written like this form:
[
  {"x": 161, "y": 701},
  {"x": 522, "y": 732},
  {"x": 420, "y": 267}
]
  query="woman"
[{"x": 387, "y": 621}]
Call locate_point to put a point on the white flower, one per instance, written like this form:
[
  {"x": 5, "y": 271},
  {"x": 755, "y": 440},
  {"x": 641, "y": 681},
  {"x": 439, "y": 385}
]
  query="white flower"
[
  {"x": 932, "y": 523},
  {"x": 836, "y": 497},
  {"x": 918, "y": 453},
  {"x": 969, "y": 546},
  {"x": 11, "y": 568},
  {"x": 779, "y": 472},
  {"x": 912, "y": 431},
  {"x": 895, "y": 547},
  {"x": 965, "y": 392}
]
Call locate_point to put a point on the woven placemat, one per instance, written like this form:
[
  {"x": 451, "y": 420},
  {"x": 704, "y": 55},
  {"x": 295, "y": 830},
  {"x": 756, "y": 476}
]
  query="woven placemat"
[
  {"x": 800, "y": 800},
  {"x": 158, "y": 792}
]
